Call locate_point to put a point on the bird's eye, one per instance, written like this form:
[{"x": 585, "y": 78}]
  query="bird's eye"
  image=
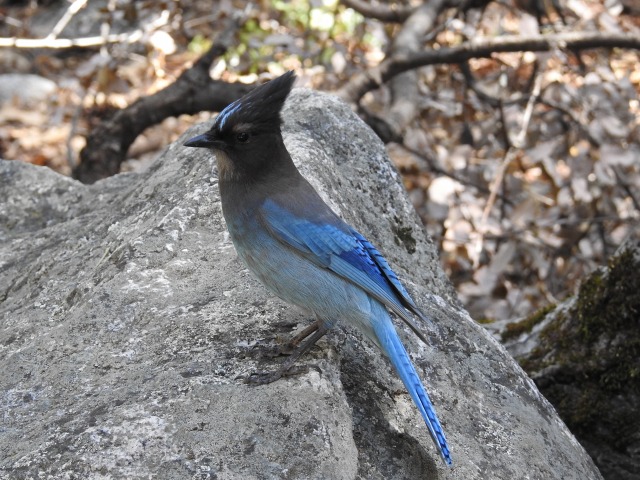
[{"x": 242, "y": 137}]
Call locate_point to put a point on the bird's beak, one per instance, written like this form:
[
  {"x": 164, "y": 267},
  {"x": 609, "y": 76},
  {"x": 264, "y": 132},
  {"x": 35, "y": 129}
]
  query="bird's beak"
[{"x": 202, "y": 141}]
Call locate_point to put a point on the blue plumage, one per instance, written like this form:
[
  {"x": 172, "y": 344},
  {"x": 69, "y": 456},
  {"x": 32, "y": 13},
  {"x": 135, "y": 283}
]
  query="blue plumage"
[
  {"x": 227, "y": 112},
  {"x": 298, "y": 247}
]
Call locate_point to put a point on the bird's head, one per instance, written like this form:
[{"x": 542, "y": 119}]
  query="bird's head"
[{"x": 246, "y": 135}]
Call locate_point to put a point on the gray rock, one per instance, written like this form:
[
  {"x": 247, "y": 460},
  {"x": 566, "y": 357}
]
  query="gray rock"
[
  {"x": 128, "y": 324},
  {"x": 27, "y": 88}
]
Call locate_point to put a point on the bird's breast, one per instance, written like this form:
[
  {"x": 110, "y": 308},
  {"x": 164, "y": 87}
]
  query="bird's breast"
[{"x": 297, "y": 280}]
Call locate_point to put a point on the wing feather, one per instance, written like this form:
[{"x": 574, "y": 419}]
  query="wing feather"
[{"x": 347, "y": 253}]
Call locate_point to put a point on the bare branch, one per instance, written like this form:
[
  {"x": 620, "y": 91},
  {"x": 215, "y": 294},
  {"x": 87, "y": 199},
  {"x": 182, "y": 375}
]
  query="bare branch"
[
  {"x": 194, "y": 91},
  {"x": 61, "y": 43},
  {"x": 375, "y": 77},
  {"x": 404, "y": 87},
  {"x": 74, "y": 8}
]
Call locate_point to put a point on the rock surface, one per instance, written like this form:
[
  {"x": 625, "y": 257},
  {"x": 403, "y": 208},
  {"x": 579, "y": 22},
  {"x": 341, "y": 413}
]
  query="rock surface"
[
  {"x": 584, "y": 355},
  {"x": 26, "y": 88},
  {"x": 128, "y": 324}
]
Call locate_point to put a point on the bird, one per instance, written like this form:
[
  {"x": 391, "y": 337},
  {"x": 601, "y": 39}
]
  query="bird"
[{"x": 299, "y": 248}]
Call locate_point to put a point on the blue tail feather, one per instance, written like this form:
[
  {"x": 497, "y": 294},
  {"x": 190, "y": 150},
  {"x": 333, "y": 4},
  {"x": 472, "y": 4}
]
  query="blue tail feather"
[{"x": 400, "y": 360}]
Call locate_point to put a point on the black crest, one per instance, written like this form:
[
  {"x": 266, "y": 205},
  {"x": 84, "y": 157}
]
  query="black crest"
[{"x": 260, "y": 107}]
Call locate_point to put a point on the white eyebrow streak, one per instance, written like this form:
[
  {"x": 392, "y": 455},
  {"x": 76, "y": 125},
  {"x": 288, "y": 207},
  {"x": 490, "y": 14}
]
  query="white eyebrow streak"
[{"x": 242, "y": 127}]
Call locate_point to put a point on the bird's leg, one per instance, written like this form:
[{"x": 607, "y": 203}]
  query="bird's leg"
[
  {"x": 291, "y": 346},
  {"x": 303, "y": 344}
]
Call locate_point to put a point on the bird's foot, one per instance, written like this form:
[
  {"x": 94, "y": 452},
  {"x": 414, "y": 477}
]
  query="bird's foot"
[
  {"x": 286, "y": 348},
  {"x": 302, "y": 343}
]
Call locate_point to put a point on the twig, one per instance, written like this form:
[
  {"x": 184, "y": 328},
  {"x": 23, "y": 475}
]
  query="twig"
[
  {"x": 518, "y": 232},
  {"x": 490, "y": 99},
  {"x": 74, "y": 8},
  {"x": 576, "y": 120},
  {"x": 626, "y": 187},
  {"x": 517, "y": 144},
  {"x": 71, "y": 160},
  {"x": 431, "y": 162},
  {"x": 105, "y": 28},
  {"x": 61, "y": 43}
]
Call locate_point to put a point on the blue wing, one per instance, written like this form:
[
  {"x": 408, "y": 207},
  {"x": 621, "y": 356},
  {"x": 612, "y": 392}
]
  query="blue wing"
[
  {"x": 341, "y": 249},
  {"x": 390, "y": 275}
]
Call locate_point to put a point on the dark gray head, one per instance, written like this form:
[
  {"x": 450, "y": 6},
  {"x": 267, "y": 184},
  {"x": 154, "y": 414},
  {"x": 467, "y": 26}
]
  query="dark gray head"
[{"x": 246, "y": 135}]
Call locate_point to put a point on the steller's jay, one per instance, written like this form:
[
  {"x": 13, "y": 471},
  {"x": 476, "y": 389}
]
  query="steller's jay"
[{"x": 298, "y": 247}]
